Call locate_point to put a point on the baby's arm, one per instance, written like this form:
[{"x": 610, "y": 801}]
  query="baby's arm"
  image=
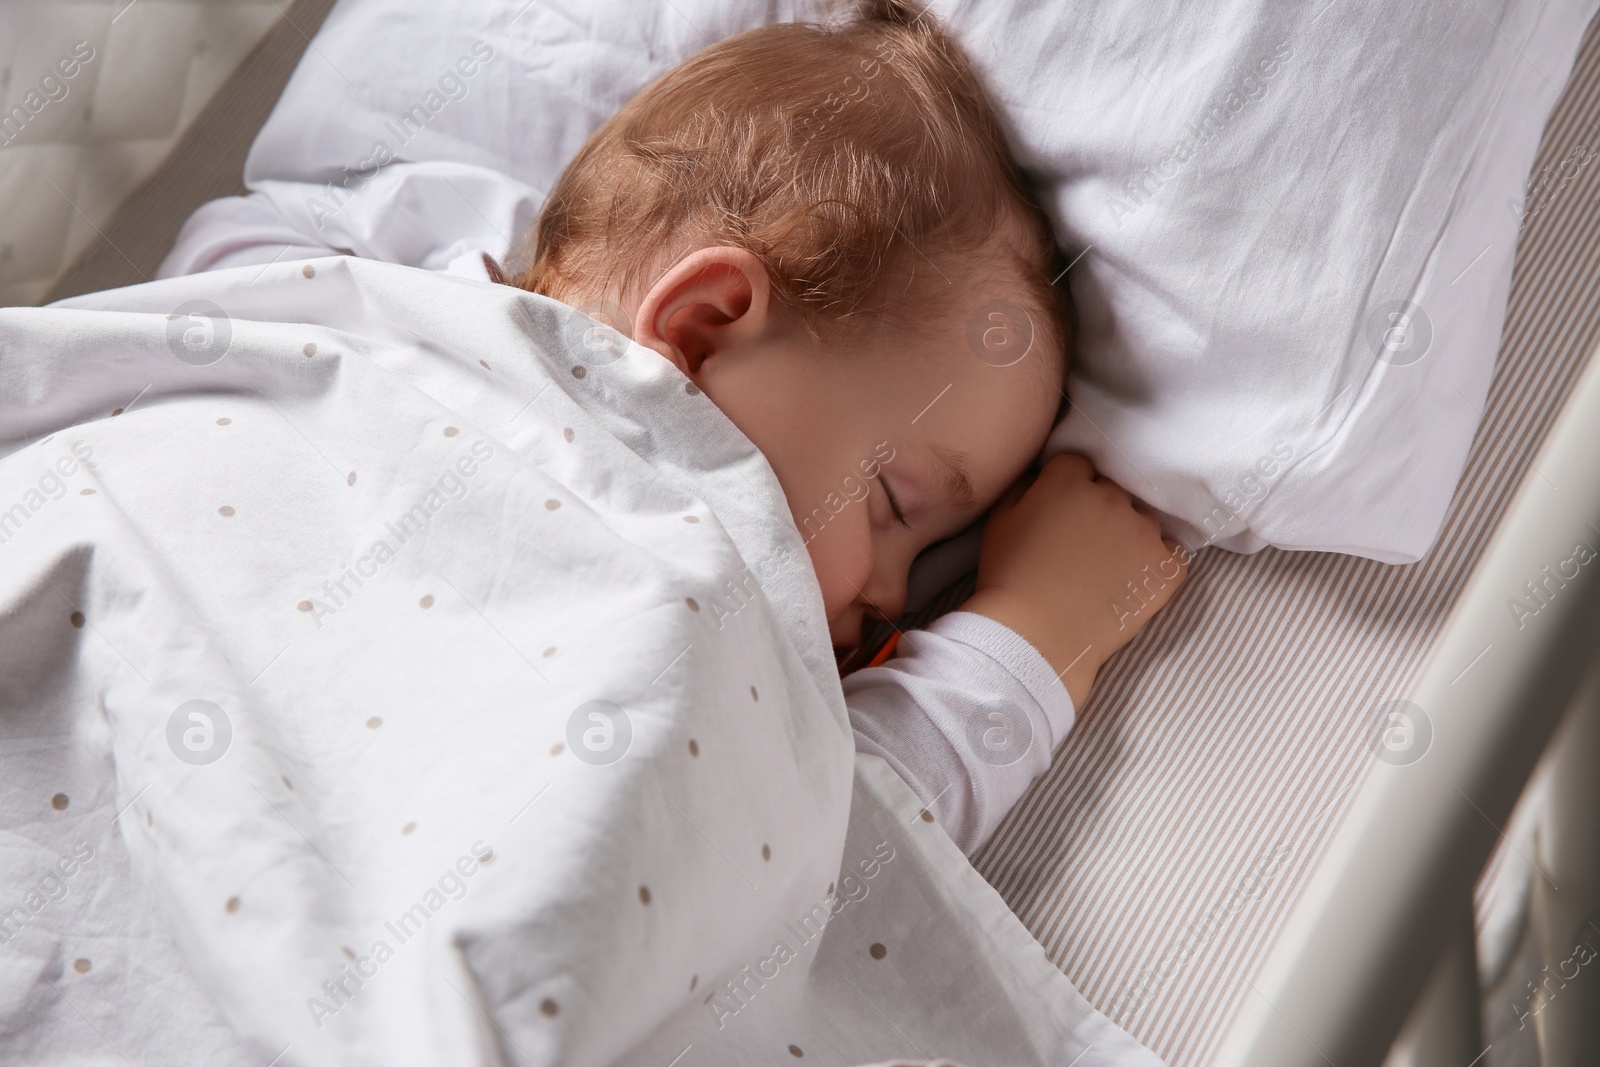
[
  {"x": 970, "y": 710},
  {"x": 968, "y": 713},
  {"x": 1075, "y": 568}
]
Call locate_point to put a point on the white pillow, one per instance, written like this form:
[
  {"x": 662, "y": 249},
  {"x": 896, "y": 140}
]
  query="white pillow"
[
  {"x": 1294, "y": 217},
  {"x": 1299, "y": 245}
]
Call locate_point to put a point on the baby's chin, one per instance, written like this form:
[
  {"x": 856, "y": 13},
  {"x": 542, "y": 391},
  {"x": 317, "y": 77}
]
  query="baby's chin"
[{"x": 839, "y": 604}]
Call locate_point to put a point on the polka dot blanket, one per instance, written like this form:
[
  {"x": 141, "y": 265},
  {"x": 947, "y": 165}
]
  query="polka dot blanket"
[{"x": 362, "y": 701}]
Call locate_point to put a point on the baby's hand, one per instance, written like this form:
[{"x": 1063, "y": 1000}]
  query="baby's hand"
[{"x": 1074, "y": 568}]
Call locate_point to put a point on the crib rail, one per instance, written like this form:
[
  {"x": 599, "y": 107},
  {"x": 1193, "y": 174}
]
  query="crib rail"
[{"x": 1378, "y": 935}]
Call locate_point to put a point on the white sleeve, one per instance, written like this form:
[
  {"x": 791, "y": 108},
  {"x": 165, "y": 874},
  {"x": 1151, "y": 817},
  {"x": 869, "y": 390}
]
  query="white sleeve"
[
  {"x": 968, "y": 713},
  {"x": 238, "y": 231},
  {"x": 428, "y": 215}
]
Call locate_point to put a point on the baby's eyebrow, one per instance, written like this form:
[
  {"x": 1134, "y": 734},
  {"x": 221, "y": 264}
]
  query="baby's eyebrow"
[{"x": 953, "y": 477}]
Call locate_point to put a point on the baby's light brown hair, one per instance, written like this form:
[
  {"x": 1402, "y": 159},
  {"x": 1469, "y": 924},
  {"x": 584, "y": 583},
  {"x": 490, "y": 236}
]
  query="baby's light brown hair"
[{"x": 859, "y": 160}]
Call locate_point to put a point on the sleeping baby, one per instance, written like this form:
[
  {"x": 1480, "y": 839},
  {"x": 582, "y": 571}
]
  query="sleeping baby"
[
  {"x": 399, "y": 629},
  {"x": 822, "y": 228}
]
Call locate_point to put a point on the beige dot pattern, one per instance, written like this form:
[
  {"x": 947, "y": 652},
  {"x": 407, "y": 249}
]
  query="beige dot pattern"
[
  {"x": 309, "y": 271},
  {"x": 77, "y": 620},
  {"x": 547, "y": 1006}
]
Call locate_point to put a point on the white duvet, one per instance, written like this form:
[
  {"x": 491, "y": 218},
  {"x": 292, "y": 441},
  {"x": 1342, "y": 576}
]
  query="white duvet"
[{"x": 366, "y": 654}]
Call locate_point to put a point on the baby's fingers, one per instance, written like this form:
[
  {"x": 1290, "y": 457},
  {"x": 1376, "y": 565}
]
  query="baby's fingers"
[{"x": 1069, "y": 465}]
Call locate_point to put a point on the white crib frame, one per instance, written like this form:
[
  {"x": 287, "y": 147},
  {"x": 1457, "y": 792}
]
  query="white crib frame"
[{"x": 1381, "y": 939}]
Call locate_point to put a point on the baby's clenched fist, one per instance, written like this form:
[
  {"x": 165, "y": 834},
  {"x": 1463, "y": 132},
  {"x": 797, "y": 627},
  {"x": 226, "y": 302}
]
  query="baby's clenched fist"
[{"x": 1075, "y": 568}]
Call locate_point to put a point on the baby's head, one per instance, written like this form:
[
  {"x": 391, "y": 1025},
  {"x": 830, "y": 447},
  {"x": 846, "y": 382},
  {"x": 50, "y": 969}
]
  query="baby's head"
[{"x": 822, "y": 227}]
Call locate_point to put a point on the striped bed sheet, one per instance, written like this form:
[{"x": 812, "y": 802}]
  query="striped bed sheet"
[{"x": 1159, "y": 855}]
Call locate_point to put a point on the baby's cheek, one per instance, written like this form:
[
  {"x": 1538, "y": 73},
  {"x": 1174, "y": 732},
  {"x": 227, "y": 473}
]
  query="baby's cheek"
[{"x": 841, "y": 553}]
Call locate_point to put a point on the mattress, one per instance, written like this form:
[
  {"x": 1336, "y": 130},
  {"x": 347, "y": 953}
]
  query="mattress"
[
  {"x": 1158, "y": 857},
  {"x": 156, "y": 123},
  {"x": 146, "y": 71}
]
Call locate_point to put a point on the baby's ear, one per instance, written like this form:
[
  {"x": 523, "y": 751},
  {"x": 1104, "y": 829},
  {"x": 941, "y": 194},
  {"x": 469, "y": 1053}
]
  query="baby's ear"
[
  {"x": 712, "y": 300},
  {"x": 496, "y": 274}
]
